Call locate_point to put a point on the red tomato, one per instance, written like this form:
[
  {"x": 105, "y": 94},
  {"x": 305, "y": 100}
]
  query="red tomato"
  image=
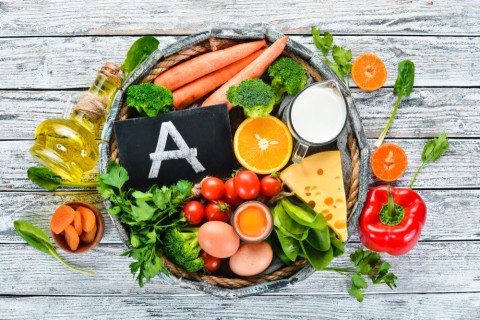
[
  {"x": 212, "y": 188},
  {"x": 194, "y": 212},
  {"x": 270, "y": 186},
  {"x": 211, "y": 263},
  {"x": 218, "y": 211},
  {"x": 231, "y": 197},
  {"x": 246, "y": 184}
]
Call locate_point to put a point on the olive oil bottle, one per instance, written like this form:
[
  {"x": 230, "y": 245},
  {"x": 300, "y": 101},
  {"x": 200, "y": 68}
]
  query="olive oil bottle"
[{"x": 68, "y": 147}]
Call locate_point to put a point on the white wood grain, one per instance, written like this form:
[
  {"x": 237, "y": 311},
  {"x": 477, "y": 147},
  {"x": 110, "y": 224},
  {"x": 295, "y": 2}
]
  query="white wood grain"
[
  {"x": 443, "y": 223},
  {"x": 459, "y": 168},
  {"x": 405, "y": 306},
  {"x": 52, "y": 17},
  {"x": 429, "y": 268},
  {"x": 59, "y": 62},
  {"x": 455, "y": 110}
]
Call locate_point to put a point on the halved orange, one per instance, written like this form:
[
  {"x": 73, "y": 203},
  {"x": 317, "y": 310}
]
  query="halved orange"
[
  {"x": 389, "y": 162},
  {"x": 369, "y": 72},
  {"x": 263, "y": 145}
]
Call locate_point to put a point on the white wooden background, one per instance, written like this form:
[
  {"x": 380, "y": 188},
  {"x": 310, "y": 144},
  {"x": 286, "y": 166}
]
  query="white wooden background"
[{"x": 50, "y": 51}]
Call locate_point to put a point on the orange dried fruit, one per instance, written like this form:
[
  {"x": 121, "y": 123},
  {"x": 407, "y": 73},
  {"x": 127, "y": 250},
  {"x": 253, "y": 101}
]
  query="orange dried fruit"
[
  {"x": 369, "y": 72},
  {"x": 389, "y": 162},
  {"x": 263, "y": 145}
]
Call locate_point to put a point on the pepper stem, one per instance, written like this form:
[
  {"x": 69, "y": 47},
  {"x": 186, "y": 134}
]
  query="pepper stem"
[{"x": 391, "y": 213}]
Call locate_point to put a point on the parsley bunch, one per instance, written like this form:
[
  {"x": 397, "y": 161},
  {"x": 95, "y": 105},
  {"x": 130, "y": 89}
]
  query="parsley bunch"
[
  {"x": 148, "y": 215},
  {"x": 342, "y": 57},
  {"x": 367, "y": 263}
]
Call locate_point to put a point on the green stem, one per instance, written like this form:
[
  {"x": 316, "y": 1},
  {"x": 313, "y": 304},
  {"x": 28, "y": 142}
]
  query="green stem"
[
  {"x": 416, "y": 174},
  {"x": 379, "y": 141},
  {"x": 55, "y": 254}
]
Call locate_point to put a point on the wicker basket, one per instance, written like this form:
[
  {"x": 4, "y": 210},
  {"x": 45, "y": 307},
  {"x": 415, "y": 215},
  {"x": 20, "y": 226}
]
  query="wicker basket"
[{"x": 354, "y": 143}]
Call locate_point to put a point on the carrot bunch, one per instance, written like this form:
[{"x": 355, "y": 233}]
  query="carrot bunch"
[{"x": 74, "y": 224}]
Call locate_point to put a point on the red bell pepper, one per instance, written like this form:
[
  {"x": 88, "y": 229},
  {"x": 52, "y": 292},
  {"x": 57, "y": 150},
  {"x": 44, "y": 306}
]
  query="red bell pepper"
[{"x": 392, "y": 226}]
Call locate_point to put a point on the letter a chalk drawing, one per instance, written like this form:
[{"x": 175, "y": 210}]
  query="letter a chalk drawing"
[{"x": 183, "y": 152}]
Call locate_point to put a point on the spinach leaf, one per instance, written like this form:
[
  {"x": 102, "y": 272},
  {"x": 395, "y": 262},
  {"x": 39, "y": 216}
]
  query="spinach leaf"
[
  {"x": 303, "y": 214},
  {"x": 290, "y": 246},
  {"x": 319, "y": 238},
  {"x": 318, "y": 259},
  {"x": 50, "y": 181},
  {"x": 406, "y": 74},
  {"x": 283, "y": 221},
  {"x": 138, "y": 52},
  {"x": 40, "y": 241},
  {"x": 337, "y": 245}
]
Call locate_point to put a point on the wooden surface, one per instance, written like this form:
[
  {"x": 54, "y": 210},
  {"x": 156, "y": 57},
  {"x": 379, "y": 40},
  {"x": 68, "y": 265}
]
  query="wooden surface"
[{"x": 50, "y": 52}]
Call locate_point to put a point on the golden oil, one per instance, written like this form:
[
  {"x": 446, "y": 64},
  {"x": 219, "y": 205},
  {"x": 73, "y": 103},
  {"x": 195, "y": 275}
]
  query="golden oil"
[{"x": 68, "y": 147}]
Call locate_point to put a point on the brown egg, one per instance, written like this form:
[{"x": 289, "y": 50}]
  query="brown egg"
[
  {"x": 252, "y": 258},
  {"x": 218, "y": 239}
]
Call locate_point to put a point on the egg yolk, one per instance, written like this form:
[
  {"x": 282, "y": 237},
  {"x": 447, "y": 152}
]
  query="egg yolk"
[{"x": 252, "y": 221}]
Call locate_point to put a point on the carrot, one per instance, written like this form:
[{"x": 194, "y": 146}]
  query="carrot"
[
  {"x": 77, "y": 222},
  {"x": 389, "y": 162},
  {"x": 200, "y": 87},
  {"x": 62, "y": 218},
  {"x": 71, "y": 236},
  {"x": 195, "y": 68},
  {"x": 88, "y": 237},
  {"x": 253, "y": 70},
  {"x": 88, "y": 218}
]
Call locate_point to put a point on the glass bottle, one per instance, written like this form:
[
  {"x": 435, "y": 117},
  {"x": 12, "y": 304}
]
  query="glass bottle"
[{"x": 68, "y": 147}]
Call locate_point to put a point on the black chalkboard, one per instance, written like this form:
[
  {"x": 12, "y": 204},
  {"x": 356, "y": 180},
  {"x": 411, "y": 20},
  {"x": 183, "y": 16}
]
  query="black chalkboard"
[{"x": 196, "y": 143}]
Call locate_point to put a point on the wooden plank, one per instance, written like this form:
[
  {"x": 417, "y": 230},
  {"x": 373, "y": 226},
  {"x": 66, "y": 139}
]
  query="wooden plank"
[
  {"x": 423, "y": 270},
  {"x": 31, "y": 18},
  {"x": 459, "y": 168},
  {"x": 54, "y": 63},
  {"x": 455, "y": 110},
  {"x": 444, "y": 223}
]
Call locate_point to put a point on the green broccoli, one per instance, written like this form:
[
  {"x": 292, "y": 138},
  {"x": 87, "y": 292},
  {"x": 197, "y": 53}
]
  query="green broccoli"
[
  {"x": 255, "y": 96},
  {"x": 182, "y": 247},
  {"x": 149, "y": 99},
  {"x": 287, "y": 76}
]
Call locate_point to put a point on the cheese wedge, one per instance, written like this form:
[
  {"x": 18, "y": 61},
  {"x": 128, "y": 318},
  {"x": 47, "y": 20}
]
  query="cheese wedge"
[{"x": 318, "y": 181}]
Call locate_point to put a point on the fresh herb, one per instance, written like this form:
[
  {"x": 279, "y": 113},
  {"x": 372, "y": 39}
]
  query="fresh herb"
[
  {"x": 48, "y": 180},
  {"x": 138, "y": 52},
  {"x": 403, "y": 87},
  {"x": 341, "y": 57},
  {"x": 40, "y": 241},
  {"x": 432, "y": 151},
  {"x": 367, "y": 263},
  {"x": 149, "y": 99},
  {"x": 148, "y": 214}
]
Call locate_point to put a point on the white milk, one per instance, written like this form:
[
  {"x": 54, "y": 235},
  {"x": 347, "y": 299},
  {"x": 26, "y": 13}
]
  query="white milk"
[{"x": 318, "y": 114}]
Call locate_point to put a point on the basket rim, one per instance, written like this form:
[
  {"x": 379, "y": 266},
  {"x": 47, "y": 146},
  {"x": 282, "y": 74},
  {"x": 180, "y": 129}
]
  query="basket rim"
[{"x": 316, "y": 63}]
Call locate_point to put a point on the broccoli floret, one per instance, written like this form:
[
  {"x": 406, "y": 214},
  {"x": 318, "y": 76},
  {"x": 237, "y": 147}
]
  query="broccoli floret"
[
  {"x": 182, "y": 247},
  {"x": 149, "y": 99},
  {"x": 287, "y": 76},
  {"x": 255, "y": 96}
]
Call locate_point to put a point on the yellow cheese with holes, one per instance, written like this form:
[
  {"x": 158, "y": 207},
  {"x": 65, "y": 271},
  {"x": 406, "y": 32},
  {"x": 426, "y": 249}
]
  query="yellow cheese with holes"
[{"x": 318, "y": 181}]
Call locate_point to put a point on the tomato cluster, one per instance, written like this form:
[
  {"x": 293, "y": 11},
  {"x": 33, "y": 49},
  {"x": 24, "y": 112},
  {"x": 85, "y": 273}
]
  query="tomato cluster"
[{"x": 221, "y": 196}]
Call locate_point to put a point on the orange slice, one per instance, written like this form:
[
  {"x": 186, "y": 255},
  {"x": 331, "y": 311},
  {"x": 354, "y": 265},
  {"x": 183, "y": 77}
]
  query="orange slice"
[
  {"x": 369, "y": 72},
  {"x": 263, "y": 145},
  {"x": 389, "y": 162}
]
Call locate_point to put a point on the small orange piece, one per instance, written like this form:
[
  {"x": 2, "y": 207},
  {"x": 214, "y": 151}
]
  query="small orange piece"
[
  {"x": 369, "y": 72},
  {"x": 62, "y": 218},
  {"x": 71, "y": 236},
  {"x": 88, "y": 237},
  {"x": 77, "y": 222},
  {"x": 88, "y": 218},
  {"x": 263, "y": 145},
  {"x": 389, "y": 162}
]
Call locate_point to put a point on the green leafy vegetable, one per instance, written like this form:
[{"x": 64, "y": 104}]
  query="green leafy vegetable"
[
  {"x": 148, "y": 214},
  {"x": 341, "y": 57},
  {"x": 149, "y": 99},
  {"x": 50, "y": 181},
  {"x": 40, "y": 241},
  {"x": 432, "y": 151},
  {"x": 367, "y": 263},
  {"x": 138, "y": 52},
  {"x": 403, "y": 87},
  {"x": 256, "y": 97}
]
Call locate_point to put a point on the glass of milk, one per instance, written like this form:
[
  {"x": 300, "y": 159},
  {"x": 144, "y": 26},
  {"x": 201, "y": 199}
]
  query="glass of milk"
[{"x": 316, "y": 116}]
